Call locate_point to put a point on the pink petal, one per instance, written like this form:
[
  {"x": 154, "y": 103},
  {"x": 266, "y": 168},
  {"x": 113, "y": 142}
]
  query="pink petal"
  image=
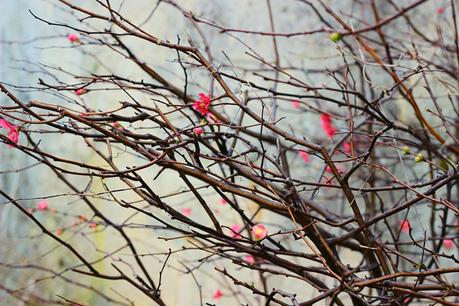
[
  {"x": 223, "y": 201},
  {"x": 13, "y": 133},
  {"x": 204, "y": 98},
  {"x": 42, "y": 205},
  {"x": 6, "y": 125},
  {"x": 347, "y": 148},
  {"x": 249, "y": 259},
  {"x": 73, "y": 37},
  {"x": 440, "y": 10},
  {"x": 304, "y": 155},
  {"x": 448, "y": 244},
  {"x": 259, "y": 231},
  {"x": 296, "y": 104},
  {"x": 186, "y": 211},
  {"x": 198, "y": 131},
  {"x": 202, "y": 104},
  {"x": 326, "y": 124},
  {"x": 81, "y": 91},
  {"x": 217, "y": 295},
  {"x": 235, "y": 228},
  {"x": 405, "y": 226}
]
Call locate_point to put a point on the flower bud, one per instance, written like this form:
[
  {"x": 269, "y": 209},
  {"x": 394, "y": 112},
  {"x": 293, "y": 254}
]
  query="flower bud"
[{"x": 336, "y": 37}]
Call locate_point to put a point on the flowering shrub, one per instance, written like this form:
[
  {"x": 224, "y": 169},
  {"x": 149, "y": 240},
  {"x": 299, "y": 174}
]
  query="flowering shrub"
[{"x": 304, "y": 164}]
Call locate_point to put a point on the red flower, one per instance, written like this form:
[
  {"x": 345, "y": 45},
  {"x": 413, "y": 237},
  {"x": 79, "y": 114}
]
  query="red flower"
[
  {"x": 296, "y": 104},
  {"x": 186, "y": 211},
  {"x": 202, "y": 104},
  {"x": 198, "y": 130},
  {"x": 81, "y": 91},
  {"x": 405, "y": 226},
  {"x": 327, "y": 126},
  {"x": 13, "y": 133},
  {"x": 217, "y": 294},
  {"x": 347, "y": 148},
  {"x": 42, "y": 205},
  {"x": 448, "y": 244},
  {"x": 304, "y": 155},
  {"x": 259, "y": 231},
  {"x": 249, "y": 259},
  {"x": 223, "y": 201},
  {"x": 236, "y": 229},
  {"x": 73, "y": 38}
]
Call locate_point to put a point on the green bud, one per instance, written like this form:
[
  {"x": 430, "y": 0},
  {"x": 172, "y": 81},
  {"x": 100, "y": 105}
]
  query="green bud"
[
  {"x": 406, "y": 150},
  {"x": 336, "y": 37},
  {"x": 419, "y": 158}
]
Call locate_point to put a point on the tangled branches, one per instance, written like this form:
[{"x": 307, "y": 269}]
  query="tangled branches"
[{"x": 259, "y": 173}]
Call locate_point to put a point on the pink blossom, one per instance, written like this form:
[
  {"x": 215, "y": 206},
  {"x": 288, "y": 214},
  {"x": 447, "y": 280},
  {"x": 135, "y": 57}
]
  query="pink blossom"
[
  {"x": 235, "y": 229},
  {"x": 186, "y": 211},
  {"x": 6, "y": 125},
  {"x": 249, "y": 259},
  {"x": 81, "y": 91},
  {"x": 73, "y": 38},
  {"x": 198, "y": 131},
  {"x": 259, "y": 231},
  {"x": 202, "y": 104},
  {"x": 304, "y": 155},
  {"x": 217, "y": 295},
  {"x": 223, "y": 201},
  {"x": 42, "y": 205},
  {"x": 405, "y": 226},
  {"x": 448, "y": 244},
  {"x": 327, "y": 126},
  {"x": 347, "y": 148},
  {"x": 59, "y": 231},
  {"x": 92, "y": 225},
  {"x": 440, "y": 10},
  {"x": 13, "y": 133},
  {"x": 296, "y": 104}
]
